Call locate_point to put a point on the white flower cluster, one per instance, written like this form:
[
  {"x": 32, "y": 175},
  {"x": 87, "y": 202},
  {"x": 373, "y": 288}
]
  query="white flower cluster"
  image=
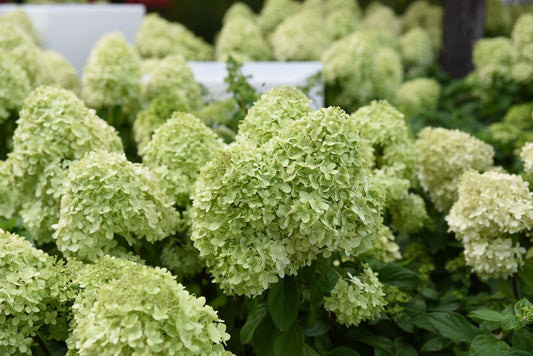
[
  {"x": 357, "y": 299},
  {"x": 526, "y": 154},
  {"x": 491, "y": 207}
]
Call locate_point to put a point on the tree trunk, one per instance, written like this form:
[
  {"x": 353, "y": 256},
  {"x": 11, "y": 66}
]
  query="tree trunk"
[{"x": 463, "y": 24}]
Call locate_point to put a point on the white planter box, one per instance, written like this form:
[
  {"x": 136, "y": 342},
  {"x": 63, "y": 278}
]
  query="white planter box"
[
  {"x": 264, "y": 76},
  {"x": 73, "y": 29}
]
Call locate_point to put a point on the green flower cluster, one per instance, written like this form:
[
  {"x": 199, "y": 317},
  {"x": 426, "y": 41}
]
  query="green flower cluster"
[
  {"x": 242, "y": 39},
  {"x": 261, "y": 212},
  {"x": 526, "y": 154},
  {"x": 20, "y": 48},
  {"x": 25, "y": 286},
  {"x": 159, "y": 111},
  {"x": 381, "y": 18},
  {"x": 238, "y": 10},
  {"x": 107, "y": 197},
  {"x": 491, "y": 207},
  {"x": 112, "y": 76},
  {"x": 159, "y": 38},
  {"x": 385, "y": 249},
  {"x": 129, "y": 309},
  {"x": 19, "y": 18},
  {"x": 14, "y": 87},
  {"x": 182, "y": 259},
  {"x": 361, "y": 67},
  {"x": 342, "y": 18},
  {"x": 421, "y": 13},
  {"x": 54, "y": 130},
  {"x": 271, "y": 113},
  {"x": 357, "y": 299},
  {"x": 56, "y": 70},
  {"x": 515, "y": 129},
  {"x": 409, "y": 215},
  {"x": 522, "y": 44},
  {"x": 172, "y": 75},
  {"x": 493, "y": 61},
  {"x": 417, "y": 52},
  {"x": 274, "y": 12},
  {"x": 10, "y": 202},
  {"x": 394, "y": 149},
  {"x": 444, "y": 155},
  {"x": 177, "y": 151},
  {"x": 416, "y": 96}
]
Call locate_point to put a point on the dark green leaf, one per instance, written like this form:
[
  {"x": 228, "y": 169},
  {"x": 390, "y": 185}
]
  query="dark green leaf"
[
  {"x": 422, "y": 321},
  {"x": 430, "y": 293},
  {"x": 290, "y": 342},
  {"x": 522, "y": 340},
  {"x": 518, "y": 353},
  {"x": 526, "y": 273},
  {"x": 255, "y": 318},
  {"x": 320, "y": 327},
  {"x": 366, "y": 337},
  {"x": 453, "y": 326},
  {"x": 283, "y": 303},
  {"x": 488, "y": 345},
  {"x": 511, "y": 322},
  {"x": 309, "y": 351},
  {"x": 263, "y": 340},
  {"x": 435, "y": 344},
  {"x": 344, "y": 351},
  {"x": 402, "y": 348},
  {"x": 486, "y": 314},
  {"x": 323, "y": 343},
  {"x": 398, "y": 276},
  {"x": 405, "y": 323}
]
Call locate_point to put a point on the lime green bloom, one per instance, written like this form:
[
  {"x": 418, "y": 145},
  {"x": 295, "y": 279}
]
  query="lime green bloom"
[
  {"x": 20, "y": 18},
  {"x": 526, "y": 155},
  {"x": 381, "y": 18},
  {"x": 493, "y": 60},
  {"x": 20, "y": 48},
  {"x": 416, "y": 96},
  {"x": 417, "y": 53},
  {"x": 274, "y": 12},
  {"x": 57, "y": 71},
  {"x": 421, "y": 13},
  {"x": 158, "y": 38},
  {"x": 14, "y": 86},
  {"x": 522, "y": 49}
]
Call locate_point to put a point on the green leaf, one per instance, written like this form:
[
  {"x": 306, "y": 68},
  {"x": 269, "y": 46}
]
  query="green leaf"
[
  {"x": 263, "y": 340},
  {"x": 488, "y": 345},
  {"x": 526, "y": 272},
  {"x": 320, "y": 327},
  {"x": 522, "y": 340},
  {"x": 309, "y": 351},
  {"x": 401, "y": 347},
  {"x": 435, "y": 344},
  {"x": 283, "y": 303},
  {"x": 398, "y": 276},
  {"x": 488, "y": 315},
  {"x": 511, "y": 322},
  {"x": 344, "y": 351},
  {"x": 366, "y": 337},
  {"x": 453, "y": 326},
  {"x": 290, "y": 342},
  {"x": 255, "y": 318}
]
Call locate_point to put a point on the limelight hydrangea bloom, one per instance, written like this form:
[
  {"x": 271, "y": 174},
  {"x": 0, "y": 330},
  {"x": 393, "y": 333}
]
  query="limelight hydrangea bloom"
[
  {"x": 301, "y": 36},
  {"x": 159, "y": 38},
  {"x": 394, "y": 149},
  {"x": 25, "y": 281},
  {"x": 493, "y": 60},
  {"x": 408, "y": 215},
  {"x": 273, "y": 111},
  {"x": 21, "y": 49},
  {"x": 177, "y": 151},
  {"x": 112, "y": 76},
  {"x": 54, "y": 130},
  {"x": 238, "y": 10},
  {"x": 107, "y": 196},
  {"x": 57, "y": 71},
  {"x": 359, "y": 68},
  {"x": 274, "y": 12},
  {"x": 494, "y": 258},
  {"x": 526, "y": 154},
  {"x": 416, "y": 51},
  {"x": 491, "y": 204},
  {"x": 125, "y": 308},
  {"x": 261, "y": 212},
  {"x": 357, "y": 299},
  {"x": 417, "y": 96},
  {"x": 182, "y": 259},
  {"x": 522, "y": 49},
  {"x": 14, "y": 87},
  {"x": 242, "y": 39},
  {"x": 515, "y": 129},
  {"x": 159, "y": 111},
  {"x": 381, "y": 18},
  {"x": 173, "y": 75},
  {"x": 385, "y": 249},
  {"x": 10, "y": 202},
  {"x": 421, "y": 13},
  {"x": 20, "y": 18},
  {"x": 342, "y": 18},
  {"x": 444, "y": 155}
]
